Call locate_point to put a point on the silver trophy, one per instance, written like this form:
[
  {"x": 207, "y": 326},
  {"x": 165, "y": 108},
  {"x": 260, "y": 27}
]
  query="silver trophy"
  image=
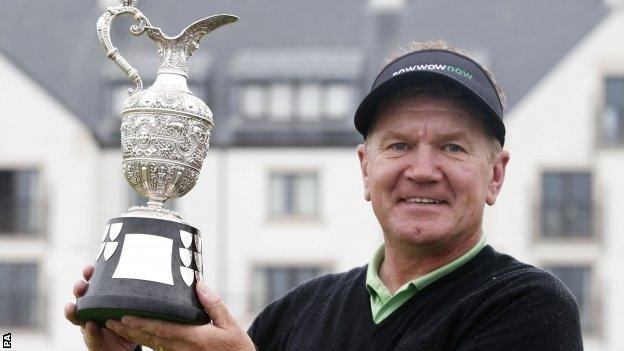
[{"x": 150, "y": 258}]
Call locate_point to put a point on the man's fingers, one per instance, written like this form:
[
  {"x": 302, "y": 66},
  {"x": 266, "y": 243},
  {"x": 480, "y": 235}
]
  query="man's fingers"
[
  {"x": 215, "y": 307},
  {"x": 70, "y": 314},
  {"x": 138, "y": 336},
  {"x": 159, "y": 328},
  {"x": 87, "y": 272},
  {"x": 92, "y": 335},
  {"x": 79, "y": 288}
]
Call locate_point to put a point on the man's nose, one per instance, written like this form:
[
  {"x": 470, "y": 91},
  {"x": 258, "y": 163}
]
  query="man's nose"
[{"x": 423, "y": 166}]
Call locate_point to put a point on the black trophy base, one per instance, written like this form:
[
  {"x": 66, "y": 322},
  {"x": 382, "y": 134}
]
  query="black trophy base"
[
  {"x": 146, "y": 267},
  {"x": 102, "y": 308}
]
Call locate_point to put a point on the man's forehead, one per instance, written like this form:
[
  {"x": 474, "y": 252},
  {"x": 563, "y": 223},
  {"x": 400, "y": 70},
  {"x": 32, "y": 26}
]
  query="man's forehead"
[
  {"x": 425, "y": 128},
  {"x": 427, "y": 110},
  {"x": 444, "y": 115},
  {"x": 425, "y": 107},
  {"x": 423, "y": 103}
]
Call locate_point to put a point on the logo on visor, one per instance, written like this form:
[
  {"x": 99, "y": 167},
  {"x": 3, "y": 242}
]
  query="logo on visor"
[{"x": 434, "y": 67}]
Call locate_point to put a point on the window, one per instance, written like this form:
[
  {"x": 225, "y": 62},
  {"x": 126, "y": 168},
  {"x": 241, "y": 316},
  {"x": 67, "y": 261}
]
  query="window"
[
  {"x": 293, "y": 195},
  {"x": 19, "y": 300},
  {"x": 303, "y": 101},
  {"x": 566, "y": 204},
  {"x": 270, "y": 283},
  {"x": 281, "y": 101},
  {"x": 253, "y": 98},
  {"x": 577, "y": 279},
  {"x": 338, "y": 100},
  {"x": 309, "y": 107},
  {"x": 612, "y": 116},
  {"x": 19, "y": 202}
]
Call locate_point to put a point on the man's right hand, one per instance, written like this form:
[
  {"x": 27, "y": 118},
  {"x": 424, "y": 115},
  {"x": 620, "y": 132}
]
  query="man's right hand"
[{"x": 96, "y": 338}]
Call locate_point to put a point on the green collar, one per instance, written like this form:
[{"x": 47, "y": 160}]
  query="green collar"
[{"x": 383, "y": 303}]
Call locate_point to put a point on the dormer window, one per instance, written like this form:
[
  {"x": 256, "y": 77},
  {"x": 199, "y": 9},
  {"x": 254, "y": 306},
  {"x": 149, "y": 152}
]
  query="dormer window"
[
  {"x": 300, "y": 86},
  {"x": 301, "y": 101}
]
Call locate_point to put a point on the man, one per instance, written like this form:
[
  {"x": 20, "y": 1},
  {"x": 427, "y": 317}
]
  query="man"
[{"x": 432, "y": 158}]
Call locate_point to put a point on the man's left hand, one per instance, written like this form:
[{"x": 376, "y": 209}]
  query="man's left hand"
[{"x": 223, "y": 334}]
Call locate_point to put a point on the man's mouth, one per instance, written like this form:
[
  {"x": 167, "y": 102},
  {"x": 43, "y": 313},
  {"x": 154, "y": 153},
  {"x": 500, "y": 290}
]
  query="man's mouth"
[{"x": 422, "y": 200}]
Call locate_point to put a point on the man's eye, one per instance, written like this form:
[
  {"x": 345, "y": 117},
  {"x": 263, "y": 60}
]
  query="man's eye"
[
  {"x": 454, "y": 148},
  {"x": 399, "y": 147}
]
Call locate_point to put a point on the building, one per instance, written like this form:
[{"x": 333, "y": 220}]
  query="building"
[
  {"x": 47, "y": 204},
  {"x": 279, "y": 200},
  {"x": 562, "y": 196}
]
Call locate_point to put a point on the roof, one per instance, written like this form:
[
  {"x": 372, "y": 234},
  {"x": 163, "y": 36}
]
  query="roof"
[
  {"x": 55, "y": 43},
  {"x": 298, "y": 63}
]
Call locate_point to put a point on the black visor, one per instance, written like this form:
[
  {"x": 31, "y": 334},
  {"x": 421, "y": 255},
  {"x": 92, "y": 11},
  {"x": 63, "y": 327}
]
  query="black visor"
[{"x": 444, "y": 64}]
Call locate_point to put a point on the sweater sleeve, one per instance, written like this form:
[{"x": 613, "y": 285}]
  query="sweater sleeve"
[{"x": 536, "y": 312}]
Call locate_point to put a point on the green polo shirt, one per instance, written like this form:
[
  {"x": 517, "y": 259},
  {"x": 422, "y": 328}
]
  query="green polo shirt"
[{"x": 383, "y": 303}]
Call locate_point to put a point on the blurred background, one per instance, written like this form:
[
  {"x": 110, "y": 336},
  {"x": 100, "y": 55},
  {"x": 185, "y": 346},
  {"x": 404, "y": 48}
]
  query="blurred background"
[{"x": 279, "y": 199}]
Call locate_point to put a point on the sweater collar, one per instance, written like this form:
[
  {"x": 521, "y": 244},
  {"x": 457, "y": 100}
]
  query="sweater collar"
[{"x": 378, "y": 289}]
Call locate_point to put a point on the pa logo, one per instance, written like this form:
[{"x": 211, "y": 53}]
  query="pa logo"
[{"x": 6, "y": 341}]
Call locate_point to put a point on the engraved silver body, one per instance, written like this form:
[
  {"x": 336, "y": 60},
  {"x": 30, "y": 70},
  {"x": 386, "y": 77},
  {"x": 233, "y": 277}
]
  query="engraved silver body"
[
  {"x": 165, "y": 132},
  {"x": 165, "y": 129}
]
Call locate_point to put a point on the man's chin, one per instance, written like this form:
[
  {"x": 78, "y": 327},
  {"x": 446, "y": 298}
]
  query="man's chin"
[{"x": 422, "y": 235}]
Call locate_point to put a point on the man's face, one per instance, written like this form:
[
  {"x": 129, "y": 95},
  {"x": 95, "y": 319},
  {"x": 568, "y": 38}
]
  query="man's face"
[{"x": 428, "y": 172}]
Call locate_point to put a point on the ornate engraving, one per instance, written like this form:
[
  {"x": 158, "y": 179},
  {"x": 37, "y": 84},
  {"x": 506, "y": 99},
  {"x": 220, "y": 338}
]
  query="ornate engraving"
[
  {"x": 165, "y": 135},
  {"x": 103, "y": 31},
  {"x": 174, "y": 52},
  {"x": 168, "y": 98},
  {"x": 159, "y": 180}
]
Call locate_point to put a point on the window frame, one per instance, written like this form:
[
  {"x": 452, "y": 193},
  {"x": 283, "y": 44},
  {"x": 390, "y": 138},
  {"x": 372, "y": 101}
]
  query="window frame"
[
  {"x": 40, "y": 202},
  {"x": 41, "y": 295},
  {"x": 32, "y": 246},
  {"x": 601, "y": 108},
  {"x": 594, "y": 234},
  {"x": 274, "y": 217}
]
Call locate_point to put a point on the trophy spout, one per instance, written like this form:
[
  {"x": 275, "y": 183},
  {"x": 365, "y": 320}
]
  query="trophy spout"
[{"x": 174, "y": 52}]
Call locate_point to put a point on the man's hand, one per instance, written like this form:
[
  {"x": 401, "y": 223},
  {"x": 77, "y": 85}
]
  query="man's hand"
[
  {"x": 96, "y": 338},
  {"x": 223, "y": 334}
]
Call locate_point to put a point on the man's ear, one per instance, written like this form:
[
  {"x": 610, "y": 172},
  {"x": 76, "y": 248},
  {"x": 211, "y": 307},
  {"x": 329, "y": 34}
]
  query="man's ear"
[
  {"x": 498, "y": 176},
  {"x": 361, "y": 151}
]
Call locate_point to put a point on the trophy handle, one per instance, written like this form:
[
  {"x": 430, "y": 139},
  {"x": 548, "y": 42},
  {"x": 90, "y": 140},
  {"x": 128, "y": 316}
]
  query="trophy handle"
[{"x": 103, "y": 31}]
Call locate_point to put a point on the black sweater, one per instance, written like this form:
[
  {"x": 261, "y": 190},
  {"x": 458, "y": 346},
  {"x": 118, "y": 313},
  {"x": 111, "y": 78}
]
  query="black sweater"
[{"x": 492, "y": 302}]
